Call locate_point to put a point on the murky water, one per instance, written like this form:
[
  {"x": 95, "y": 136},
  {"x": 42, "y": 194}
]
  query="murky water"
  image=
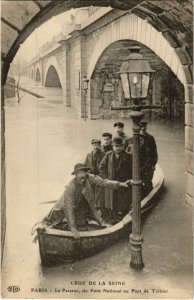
[{"x": 44, "y": 139}]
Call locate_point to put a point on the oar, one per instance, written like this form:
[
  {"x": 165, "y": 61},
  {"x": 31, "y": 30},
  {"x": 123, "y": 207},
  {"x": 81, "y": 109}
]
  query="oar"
[
  {"x": 11, "y": 85},
  {"x": 47, "y": 202}
]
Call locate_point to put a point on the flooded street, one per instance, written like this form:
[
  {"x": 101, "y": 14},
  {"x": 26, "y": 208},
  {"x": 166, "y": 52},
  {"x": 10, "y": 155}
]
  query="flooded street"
[{"x": 44, "y": 140}]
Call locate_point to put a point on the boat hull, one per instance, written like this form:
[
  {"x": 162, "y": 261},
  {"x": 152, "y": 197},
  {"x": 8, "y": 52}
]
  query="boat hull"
[{"x": 59, "y": 247}]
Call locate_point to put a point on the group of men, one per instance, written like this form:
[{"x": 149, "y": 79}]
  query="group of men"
[{"x": 101, "y": 189}]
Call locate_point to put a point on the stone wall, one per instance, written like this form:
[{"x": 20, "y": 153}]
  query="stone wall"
[{"x": 189, "y": 142}]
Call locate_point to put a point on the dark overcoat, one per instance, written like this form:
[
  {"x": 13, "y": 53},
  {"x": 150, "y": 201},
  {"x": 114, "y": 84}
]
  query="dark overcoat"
[
  {"x": 120, "y": 200},
  {"x": 89, "y": 161},
  {"x": 94, "y": 169},
  {"x": 151, "y": 144}
]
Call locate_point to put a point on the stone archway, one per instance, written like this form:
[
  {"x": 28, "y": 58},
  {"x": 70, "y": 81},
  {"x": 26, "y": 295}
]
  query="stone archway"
[
  {"x": 106, "y": 74},
  {"x": 52, "y": 78},
  {"x": 141, "y": 31},
  {"x": 56, "y": 71}
]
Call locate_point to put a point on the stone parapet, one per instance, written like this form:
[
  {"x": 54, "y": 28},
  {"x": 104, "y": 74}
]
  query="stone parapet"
[
  {"x": 189, "y": 163},
  {"x": 189, "y": 184},
  {"x": 189, "y": 114},
  {"x": 189, "y": 138}
]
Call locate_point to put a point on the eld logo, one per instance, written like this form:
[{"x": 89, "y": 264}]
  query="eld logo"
[{"x": 13, "y": 289}]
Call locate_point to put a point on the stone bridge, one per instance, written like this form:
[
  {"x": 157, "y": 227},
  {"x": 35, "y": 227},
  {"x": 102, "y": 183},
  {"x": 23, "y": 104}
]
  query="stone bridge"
[{"x": 97, "y": 48}]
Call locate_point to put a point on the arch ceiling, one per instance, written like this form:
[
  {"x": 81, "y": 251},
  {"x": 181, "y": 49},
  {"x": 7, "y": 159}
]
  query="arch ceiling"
[{"x": 171, "y": 17}]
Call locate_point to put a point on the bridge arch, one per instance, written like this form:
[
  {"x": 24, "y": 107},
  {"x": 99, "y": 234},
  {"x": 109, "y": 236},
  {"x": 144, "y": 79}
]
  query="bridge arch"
[
  {"x": 139, "y": 30},
  {"x": 53, "y": 70}
]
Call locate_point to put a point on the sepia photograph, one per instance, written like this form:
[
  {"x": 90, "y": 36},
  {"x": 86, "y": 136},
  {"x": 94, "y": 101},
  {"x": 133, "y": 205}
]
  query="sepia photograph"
[{"x": 97, "y": 149}]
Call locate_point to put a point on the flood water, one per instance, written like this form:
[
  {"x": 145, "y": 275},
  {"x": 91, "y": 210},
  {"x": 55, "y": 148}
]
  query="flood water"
[{"x": 44, "y": 140}]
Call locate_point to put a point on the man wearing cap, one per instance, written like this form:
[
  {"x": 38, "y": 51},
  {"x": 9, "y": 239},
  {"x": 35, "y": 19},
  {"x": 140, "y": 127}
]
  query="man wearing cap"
[
  {"x": 150, "y": 143},
  {"x": 107, "y": 145},
  {"x": 92, "y": 161},
  {"x": 94, "y": 158},
  {"x": 117, "y": 165},
  {"x": 119, "y": 130},
  {"x": 77, "y": 203}
]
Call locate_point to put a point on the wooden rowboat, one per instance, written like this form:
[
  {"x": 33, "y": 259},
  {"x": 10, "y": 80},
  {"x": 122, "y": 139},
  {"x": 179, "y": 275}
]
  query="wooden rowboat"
[{"x": 59, "y": 246}]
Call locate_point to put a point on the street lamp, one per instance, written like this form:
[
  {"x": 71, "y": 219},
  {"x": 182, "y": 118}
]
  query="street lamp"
[
  {"x": 85, "y": 82},
  {"x": 135, "y": 74}
]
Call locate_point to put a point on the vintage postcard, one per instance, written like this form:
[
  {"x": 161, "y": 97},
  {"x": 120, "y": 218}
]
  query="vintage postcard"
[{"x": 97, "y": 149}]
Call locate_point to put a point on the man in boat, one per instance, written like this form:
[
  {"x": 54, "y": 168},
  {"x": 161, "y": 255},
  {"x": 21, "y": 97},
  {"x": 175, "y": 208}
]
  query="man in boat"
[
  {"x": 92, "y": 161},
  {"x": 94, "y": 158},
  {"x": 77, "y": 201},
  {"x": 119, "y": 131},
  {"x": 117, "y": 165},
  {"x": 146, "y": 165},
  {"x": 107, "y": 139},
  {"x": 150, "y": 143}
]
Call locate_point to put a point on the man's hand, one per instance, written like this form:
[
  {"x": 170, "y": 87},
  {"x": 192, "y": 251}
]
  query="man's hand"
[
  {"x": 75, "y": 232},
  {"x": 126, "y": 183},
  {"x": 104, "y": 224}
]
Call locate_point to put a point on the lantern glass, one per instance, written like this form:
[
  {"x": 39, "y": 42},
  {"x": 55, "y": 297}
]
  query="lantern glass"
[
  {"x": 125, "y": 85},
  {"x": 138, "y": 84}
]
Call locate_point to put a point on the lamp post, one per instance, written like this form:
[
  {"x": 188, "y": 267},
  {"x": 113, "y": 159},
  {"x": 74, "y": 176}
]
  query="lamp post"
[
  {"x": 135, "y": 74},
  {"x": 85, "y": 82}
]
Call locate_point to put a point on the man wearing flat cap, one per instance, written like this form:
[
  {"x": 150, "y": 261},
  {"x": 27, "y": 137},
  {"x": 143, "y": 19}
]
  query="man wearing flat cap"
[
  {"x": 119, "y": 131},
  {"x": 107, "y": 139},
  {"x": 117, "y": 165},
  {"x": 92, "y": 161},
  {"x": 94, "y": 158},
  {"x": 76, "y": 204}
]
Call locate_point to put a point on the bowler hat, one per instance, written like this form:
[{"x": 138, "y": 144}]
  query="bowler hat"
[
  {"x": 96, "y": 141},
  {"x": 79, "y": 167},
  {"x": 107, "y": 134},
  {"x": 120, "y": 124},
  {"x": 117, "y": 141}
]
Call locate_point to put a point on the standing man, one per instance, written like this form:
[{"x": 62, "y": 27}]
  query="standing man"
[
  {"x": 94, "y": 158},
  {"x": 77, "y": 203},
  {"x": 92, "y": 162},
  {"x": 119, "y": 130},
  {"x": 146, "y": 166},
  {"x": 117, "y": 165},
  {"x": 107, "y": 139},
  {"x": 150, "y": 143}
]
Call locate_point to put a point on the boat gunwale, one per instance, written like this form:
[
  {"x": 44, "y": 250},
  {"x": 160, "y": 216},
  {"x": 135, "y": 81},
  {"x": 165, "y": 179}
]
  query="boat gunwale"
[{"x": 120, "y": 225}]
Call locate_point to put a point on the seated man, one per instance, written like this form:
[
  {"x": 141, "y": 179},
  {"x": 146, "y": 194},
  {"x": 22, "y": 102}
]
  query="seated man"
[{"x": 77, "y": 203}]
